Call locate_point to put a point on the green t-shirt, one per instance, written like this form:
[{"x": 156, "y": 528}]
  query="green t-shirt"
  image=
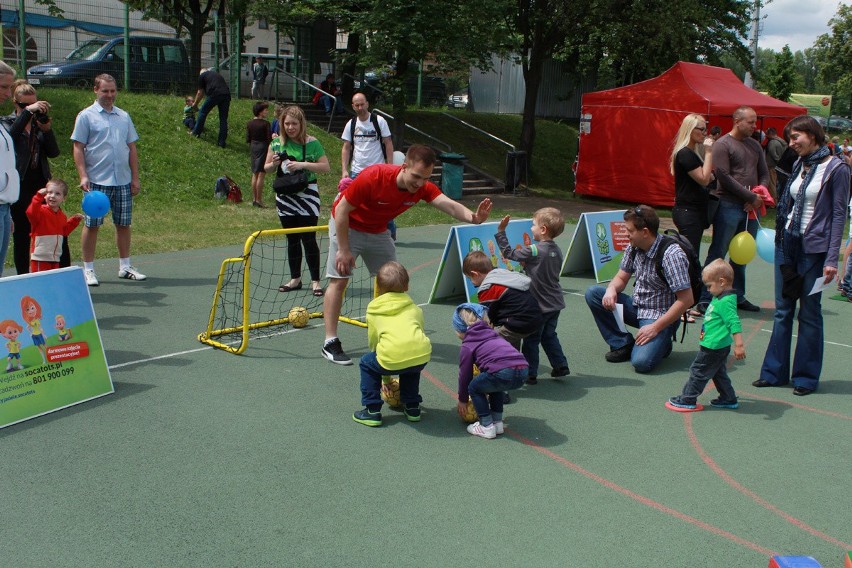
[
  {"x": 313, "y": 152},
  {"x": 720, "y": 321}
]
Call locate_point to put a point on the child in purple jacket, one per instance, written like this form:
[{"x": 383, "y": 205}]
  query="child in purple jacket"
[{"x": 501, "y": 368}]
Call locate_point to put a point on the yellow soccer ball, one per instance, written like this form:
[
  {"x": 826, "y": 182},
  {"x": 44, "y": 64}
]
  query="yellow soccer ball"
[
  {"x": 470, "y": 415},
  {"x": 298, "y": 317},
  {"x": 390, "y": 391}
]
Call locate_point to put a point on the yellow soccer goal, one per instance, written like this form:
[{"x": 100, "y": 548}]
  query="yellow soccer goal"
[{"x": 247, "y": 303}]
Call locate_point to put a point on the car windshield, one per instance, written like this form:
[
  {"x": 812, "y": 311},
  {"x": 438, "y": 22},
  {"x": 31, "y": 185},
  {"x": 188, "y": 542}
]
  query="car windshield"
[{"x": 86, "y": 51}]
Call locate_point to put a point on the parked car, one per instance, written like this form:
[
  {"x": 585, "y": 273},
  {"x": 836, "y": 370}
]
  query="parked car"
[
  {"x": 156, "y": 64},
  {"x": 279, "y": 85},
  {"x": 838, "y": 124},
  {"x": 458, "y": 100}
]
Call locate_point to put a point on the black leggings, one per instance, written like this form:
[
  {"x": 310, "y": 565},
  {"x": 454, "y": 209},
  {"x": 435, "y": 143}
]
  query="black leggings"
[{"x": 296, "y": 241}]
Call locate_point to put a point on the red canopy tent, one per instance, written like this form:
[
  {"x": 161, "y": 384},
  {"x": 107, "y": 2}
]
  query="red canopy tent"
[{"x": 626, "y": 134}]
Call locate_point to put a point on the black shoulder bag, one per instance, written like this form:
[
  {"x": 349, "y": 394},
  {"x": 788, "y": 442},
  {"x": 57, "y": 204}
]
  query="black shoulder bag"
[{"x": 291, "y": 183}]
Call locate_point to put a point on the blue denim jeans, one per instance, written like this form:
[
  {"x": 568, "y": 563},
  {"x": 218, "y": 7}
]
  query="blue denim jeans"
[
  {"x": 224, "y": 104},
  {"x": 729, "y": 221},
  {"x": 549, "y": 341},
  {"x": 486, "y": 391},
  {"x": 326, "y": 103},
  {"x": 846, "y": 282},
  {"x": 807, "y": 361},
  {"x": 5, "y": 232},
  {"x": 644, "y": 358},
  {"x": 371, "y": 382},
  {"x": 709, "y": 364}
]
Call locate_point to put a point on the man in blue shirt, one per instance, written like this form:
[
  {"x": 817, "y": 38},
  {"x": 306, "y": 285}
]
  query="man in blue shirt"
[
  {"x": 105, "y": 156},
  {"x": 656, "y": 305}
]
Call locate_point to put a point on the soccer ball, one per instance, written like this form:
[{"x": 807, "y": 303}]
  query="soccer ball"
[
  {"x": 390, "y": 391},
  {"x": 470, "y": 415},
  {"x": 298, "y": 317}
]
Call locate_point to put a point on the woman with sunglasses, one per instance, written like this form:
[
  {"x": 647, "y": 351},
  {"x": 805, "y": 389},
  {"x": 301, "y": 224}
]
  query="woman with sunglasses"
[
  {"x": 31, "y": 129},
  {"x": 810, "y": 219},
  {"x": 691, "y": 177}
]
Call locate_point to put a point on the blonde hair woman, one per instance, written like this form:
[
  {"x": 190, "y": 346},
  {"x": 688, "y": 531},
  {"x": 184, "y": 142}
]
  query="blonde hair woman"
[
  {"x": 292, "y": 151},
  {"x": 691, "y": 177}
]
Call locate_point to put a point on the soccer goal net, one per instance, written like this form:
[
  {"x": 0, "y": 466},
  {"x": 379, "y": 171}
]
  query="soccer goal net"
[{"x": 247, "y": 302}]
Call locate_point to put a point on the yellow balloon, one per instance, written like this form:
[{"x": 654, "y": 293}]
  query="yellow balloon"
[{"x": 742, "y": 248}]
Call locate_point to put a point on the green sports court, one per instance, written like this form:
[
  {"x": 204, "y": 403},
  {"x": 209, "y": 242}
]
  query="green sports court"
[{"x": 205, "y": 458}]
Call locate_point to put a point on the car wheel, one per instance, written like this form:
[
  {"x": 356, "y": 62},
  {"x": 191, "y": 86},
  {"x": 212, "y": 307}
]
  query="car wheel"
[{"x": 81, "y": 83}]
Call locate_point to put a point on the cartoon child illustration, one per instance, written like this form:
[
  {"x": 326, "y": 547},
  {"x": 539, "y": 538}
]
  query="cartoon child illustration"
[
  {"x": 64, "y": 332},
  {"x": 31, "y": 312},
  {"x": 527, "y": 240},
  {"x": 10, "y": 330},
  {"x": 492, "y": 251}
]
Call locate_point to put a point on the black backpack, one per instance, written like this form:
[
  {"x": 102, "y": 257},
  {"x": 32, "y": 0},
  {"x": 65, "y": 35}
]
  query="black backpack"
[
  {"x": 375, "y": 120},
  {"x": 672, "y": 237}
]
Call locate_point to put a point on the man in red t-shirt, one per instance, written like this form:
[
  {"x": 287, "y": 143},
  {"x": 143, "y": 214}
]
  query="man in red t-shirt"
[{"x": 358, "y": 226}]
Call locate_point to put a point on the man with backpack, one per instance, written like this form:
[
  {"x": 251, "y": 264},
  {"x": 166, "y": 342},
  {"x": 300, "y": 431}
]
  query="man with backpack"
[
  {"x": 366, "y": 139},
  {"x": 663, "y": 292},
  {"x": 366, "y": 142}
]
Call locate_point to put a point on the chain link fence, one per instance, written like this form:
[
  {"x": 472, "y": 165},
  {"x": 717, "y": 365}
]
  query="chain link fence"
[{"x": 72, "y": 47}]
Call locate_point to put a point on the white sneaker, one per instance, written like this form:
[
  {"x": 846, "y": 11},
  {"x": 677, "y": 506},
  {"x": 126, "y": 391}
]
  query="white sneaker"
[
  {"x": 91, "y": 279},
  {"x": 498, "y": 427},
  {"x": 488, "y": 432},
  {"x": 131, "y": 273}
]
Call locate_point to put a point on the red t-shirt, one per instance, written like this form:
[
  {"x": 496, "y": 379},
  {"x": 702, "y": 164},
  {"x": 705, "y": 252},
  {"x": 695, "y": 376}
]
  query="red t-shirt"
[{"x": 376, "y": 199}]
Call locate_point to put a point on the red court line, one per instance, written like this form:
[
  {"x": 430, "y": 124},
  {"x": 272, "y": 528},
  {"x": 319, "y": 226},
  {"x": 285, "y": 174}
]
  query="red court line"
[
  {"x": 693, "y": 439},
  {"x": 801, "y": 406},
  {"x": 618, "y": 488}
]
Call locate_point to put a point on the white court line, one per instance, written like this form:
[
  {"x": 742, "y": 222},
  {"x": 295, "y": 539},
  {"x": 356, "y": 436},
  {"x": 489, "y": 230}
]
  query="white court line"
[{"x": 827, "y": 342}]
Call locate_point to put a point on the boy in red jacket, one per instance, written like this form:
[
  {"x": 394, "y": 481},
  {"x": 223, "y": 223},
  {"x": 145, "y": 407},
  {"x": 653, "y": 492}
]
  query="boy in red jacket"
[{"x": 49, "y": 225}]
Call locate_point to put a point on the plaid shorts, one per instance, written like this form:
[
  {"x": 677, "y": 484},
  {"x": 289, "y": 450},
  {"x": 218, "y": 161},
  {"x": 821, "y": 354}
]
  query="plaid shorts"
[{"x": 120, "y": 202}]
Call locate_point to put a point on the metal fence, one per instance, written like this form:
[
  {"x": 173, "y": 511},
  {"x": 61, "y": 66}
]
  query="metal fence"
[{"x": 87, "y": 39}]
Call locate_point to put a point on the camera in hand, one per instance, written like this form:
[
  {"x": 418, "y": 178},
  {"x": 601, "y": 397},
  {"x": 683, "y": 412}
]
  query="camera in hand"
[{"x": 42, "y": 118}]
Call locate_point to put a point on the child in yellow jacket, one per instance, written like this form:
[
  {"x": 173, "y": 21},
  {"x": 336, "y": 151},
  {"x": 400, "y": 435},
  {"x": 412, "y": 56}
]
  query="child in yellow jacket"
[{"x": 398, "y": 346}]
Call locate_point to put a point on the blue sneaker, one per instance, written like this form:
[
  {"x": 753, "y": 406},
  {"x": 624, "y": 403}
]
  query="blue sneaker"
[
  {"x": 719, "y": 403},
  {"x": 677, "y": 403},
  {"x": 368, "y": 418},
  {"x": 412, "y": 412}
]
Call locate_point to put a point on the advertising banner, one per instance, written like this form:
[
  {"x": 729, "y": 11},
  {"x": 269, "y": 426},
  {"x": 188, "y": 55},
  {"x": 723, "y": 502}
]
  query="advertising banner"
[{"x": 54, "y": 357}]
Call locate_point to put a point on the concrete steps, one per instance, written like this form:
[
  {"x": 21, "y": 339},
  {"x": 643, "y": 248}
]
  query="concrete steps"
[{"x": 474, "y": 182}]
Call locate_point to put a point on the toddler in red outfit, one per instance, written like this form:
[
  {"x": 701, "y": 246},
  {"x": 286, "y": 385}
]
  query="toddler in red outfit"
[{"x": 49, "y": 225}]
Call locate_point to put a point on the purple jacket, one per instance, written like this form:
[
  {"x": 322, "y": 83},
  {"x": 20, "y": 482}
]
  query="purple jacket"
[
  {"x": 490, "y": 352},
  {"x": 824, "y": 232}
]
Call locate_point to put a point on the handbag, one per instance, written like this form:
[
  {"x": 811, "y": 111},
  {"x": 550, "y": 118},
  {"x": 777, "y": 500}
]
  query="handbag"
[{"x": 291, "y": 183}]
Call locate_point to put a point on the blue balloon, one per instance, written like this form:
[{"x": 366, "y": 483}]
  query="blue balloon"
[
  {"x": 766, "y": 245},
  {"x": 95, "y": 204}
]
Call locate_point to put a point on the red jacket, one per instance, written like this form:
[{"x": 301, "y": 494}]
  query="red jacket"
[{"x": 49, "y": 227}]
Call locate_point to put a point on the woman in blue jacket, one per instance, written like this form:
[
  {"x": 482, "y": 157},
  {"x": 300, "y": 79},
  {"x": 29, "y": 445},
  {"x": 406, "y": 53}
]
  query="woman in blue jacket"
[{"x": 810, "y": 220}]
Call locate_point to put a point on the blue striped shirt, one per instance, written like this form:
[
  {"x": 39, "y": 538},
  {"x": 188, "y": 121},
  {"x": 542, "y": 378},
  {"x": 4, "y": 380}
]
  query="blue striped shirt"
[{"x": 106, "y": 136}]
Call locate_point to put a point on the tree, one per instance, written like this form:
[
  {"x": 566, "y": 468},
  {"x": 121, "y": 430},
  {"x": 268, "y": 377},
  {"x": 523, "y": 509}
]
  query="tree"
[
  {"x": 833, "y": 54},
  {"x": 398, "y": 34},
  {"x": 782, "y": 75},
  {"x": 191, "y": 16},
  {"x": 542, "y": 27},
  {"x": 638, "y": 39}
]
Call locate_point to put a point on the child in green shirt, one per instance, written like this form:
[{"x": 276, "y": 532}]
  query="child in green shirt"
[{"x": 721, "y": 328}]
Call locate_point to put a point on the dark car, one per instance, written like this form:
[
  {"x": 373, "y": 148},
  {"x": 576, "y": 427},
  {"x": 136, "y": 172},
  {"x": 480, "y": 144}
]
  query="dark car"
[{"x": 156, "y": 64}]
